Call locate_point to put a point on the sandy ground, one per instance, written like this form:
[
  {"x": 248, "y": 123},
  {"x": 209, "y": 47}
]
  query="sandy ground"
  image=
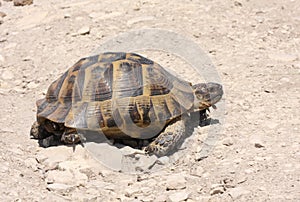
[{"x": 254, "y": 46}]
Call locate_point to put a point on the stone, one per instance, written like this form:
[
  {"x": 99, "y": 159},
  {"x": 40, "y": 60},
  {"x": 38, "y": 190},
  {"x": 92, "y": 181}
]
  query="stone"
[
  {"x": 139, "y": 19},
  {"x": 51, "y": 156},
  {"x": 59, "y": 187},
  {"x": 108, "y": 155},
  {"x": 283, "y": 57},
  {"x": 129, "y": 151},
  {"x": 7, "y": 75},
  {"x": 164, "y": 160},
  {"x": 227, "y": 141},
  {"x": 217, "y": 189},
  {"x": 72, "y": 164},
  {"x": 2, "y": 14},
  {"x": 272, "y": 124},
  {"x": 238, "y": 4},
  {"x": 147, "y": 198},
  {"x": 22, "y": 2},
  {"x": 199, "y": 156},
  {"x": 256, "y": 141},
  {"x": 176, "y": 182},
  {"x": 284, "y": 80},
  {"x": 26, "y": 58},
  {"x": 47, "y": 28},
  {"x": 57, "y": 176},
  {"x": 237, "y": 193},
  {"x": 178, "y": 196},
  {"x": 131, "y": 191},
  {"x": 84, "y": 30},
  {"x": 197, "y": 171},
  {"x": 258, "y": 145},
  {"x": 98, "y": 16},
  {"x": 80, "y": 179},
  {"x": 33, "y": 19},
  {"x": 31, "y": 163},
  {"x": 67, "y": 15},
  {"x": 32, "y": 85},
  {"x": 2, "y": 60},
  {"x": 145, "y": 162}
]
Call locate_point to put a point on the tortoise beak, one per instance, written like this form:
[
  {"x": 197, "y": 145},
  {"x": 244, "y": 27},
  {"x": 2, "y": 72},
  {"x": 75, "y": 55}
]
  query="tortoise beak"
[{"x": 215, "y": 93}]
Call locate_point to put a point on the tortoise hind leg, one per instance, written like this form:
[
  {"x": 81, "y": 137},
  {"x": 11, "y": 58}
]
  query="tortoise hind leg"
[
  {"x": 35, "y": 130},
  {"x": 167, "y": 141},
  {"x": 38, "y": 131},
  {"x": 45, "y": 138}
]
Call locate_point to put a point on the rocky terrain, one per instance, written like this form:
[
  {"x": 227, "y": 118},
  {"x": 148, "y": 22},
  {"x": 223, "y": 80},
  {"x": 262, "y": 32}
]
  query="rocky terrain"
[{"x": 254, "y": 154}]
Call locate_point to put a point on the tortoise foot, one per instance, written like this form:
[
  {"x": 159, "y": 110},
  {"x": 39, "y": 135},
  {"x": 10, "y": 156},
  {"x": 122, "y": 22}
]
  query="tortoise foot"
[
  {"x": 52, "y": 140},
  {"x": 70, "y": 137},
  {"x": 167, "y": 141},
  {"x": 38, "y": 131}
]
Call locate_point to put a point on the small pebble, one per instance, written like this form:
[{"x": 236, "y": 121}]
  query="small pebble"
[
  {"x": 27, "y": 58},
  {"x": 178, "y": 196},
  {"x": 132, "y": 191},
  {"x": 2, "y": 14},
  {"x": 2, "y": 58},
  {"x": 145, "y": 162},
  {"x": 283, "y": 57},
  {"x": 256, "y": 140},
  {"x": 22, "y": 2},
  {"x": 227, "y": 141},
  {"x": 84, "y": 30},
  {"x": 258, "y": 145},
  {"x": 164, "y": 160},
  {"x": 58, "y": 187},
  {"x": 7, "y": 75},
  {"x": 31, "y": 163},
  {"x": 237, "y": 3},
  {"x": 48, "y": 28},
  {"x": 67, "y": 15},
  {"x": 217, "y": 189},
  {"x": 32, "y": 85},
  {"x": 197, "y": 171},
  {"x": 176, "y": 182},
  {"x": 238, "y": 192},
  {"x": 139, "y": 19}
]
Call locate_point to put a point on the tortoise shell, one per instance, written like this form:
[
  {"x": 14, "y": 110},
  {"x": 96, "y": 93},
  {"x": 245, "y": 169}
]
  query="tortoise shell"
[{"x": 124, "y": 95}]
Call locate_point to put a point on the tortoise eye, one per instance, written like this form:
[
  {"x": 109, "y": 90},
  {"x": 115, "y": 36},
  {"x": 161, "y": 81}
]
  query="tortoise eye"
[
  {"x": 202, "y": 90},
  {"x": 51, "y": 126},
  {"x": 54, "y": 126}
]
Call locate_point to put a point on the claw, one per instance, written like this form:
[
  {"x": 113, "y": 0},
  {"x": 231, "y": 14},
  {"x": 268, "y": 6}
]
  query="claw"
[{"x": 73, "y": 141}]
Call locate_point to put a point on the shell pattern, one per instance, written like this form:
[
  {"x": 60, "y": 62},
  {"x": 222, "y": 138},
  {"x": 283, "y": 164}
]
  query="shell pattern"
[{"x": 121, "y": 94}]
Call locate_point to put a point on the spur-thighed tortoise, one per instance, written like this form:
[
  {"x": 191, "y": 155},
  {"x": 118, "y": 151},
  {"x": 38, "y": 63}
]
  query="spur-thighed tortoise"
[{"x": 124, "y": 95}]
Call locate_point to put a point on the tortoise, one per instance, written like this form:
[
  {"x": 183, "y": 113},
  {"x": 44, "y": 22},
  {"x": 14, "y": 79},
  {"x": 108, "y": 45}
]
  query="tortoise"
[{"x": 123, "y": 95}]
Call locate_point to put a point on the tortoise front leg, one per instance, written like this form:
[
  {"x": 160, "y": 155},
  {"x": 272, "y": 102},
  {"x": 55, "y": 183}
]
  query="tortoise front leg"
[
  {"x": 70, "y": 136},
  {"x": 167, "y": 141}
]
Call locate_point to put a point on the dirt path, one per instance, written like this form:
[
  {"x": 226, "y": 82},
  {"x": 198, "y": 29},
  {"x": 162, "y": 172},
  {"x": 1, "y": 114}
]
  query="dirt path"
[{"x": 254, "y": 46}]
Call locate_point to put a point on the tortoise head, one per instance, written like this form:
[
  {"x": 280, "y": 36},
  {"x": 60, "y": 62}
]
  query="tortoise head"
[{"x": 206, "y": 95}]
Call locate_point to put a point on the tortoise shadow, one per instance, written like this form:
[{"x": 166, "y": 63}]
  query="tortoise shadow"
[{"x": 200, "y": 118}]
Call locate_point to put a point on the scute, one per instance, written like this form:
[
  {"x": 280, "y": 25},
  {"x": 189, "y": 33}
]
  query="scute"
[{"x": 116, "y": 92}]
